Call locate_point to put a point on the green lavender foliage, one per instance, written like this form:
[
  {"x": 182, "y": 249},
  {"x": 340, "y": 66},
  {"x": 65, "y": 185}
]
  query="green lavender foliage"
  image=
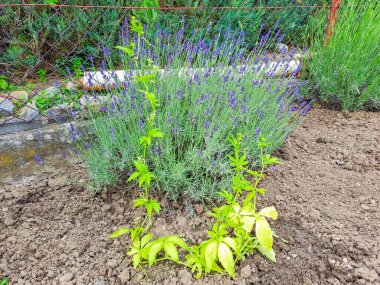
[
  {"x": 198, "y": 110},
  {"x": 346, "y": 72}
]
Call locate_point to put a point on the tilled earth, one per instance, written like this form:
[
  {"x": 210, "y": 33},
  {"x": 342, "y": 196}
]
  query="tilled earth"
[{"x": 327, "y": 193}]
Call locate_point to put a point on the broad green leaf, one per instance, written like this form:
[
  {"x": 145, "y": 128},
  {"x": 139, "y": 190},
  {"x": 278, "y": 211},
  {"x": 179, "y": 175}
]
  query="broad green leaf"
[
  {"x": 153, "y": 251},
  {"x": 264, "y": 233},
  {"x": 134, "y": 176},
  {"x": 178, "y": 241},
  {"x": 270, "y": 254},
  {"x": 249, "y": 197},
  {"x": 126, "y": 50},
  {"x": 155, "y": 133},
  {"x": 248, "y": 223},
  {"x": 139, "y": 202},
  {"x": 247, "y": 211},
  {"x": 230, "y": 242},
  {"x": 145, "y": 239},
  {"x": 261, "y": 191},
  {"x": 269, "y": 212},
  {"x": 145, "y": 140},
  {"x": 236, "y": 207},
  {"x": 156, "y": 207},
  {"x": 119, "y": 232},
  {"x": 133, "y": 250},
  {"x": 226, "y": 258},
  {"x": 136, "y": 260},
  {"x": 211, "y": 253},
  {"x": 171, "y": 251},
  {"x": 145, "y": 78},
  {"x": 140, "y": 166}
]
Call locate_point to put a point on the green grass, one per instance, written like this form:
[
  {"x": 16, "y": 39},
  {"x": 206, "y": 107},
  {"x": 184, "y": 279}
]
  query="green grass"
[{"x": 346, "y": 72}]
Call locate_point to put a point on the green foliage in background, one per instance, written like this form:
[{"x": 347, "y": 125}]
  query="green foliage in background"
[
  {"x": 346, "y": 72},
  {"x": 4, "y": 281},
  {"x": 50, "y": 38}
]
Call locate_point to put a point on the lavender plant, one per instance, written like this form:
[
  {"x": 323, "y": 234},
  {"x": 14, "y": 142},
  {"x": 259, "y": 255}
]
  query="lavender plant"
[
  {"x": 206, "y": 90},
  {"x": 345, "y": 73}
]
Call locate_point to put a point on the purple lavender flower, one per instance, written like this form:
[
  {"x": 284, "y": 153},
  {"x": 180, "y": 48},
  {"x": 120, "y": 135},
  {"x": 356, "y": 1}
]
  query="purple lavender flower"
[{"x": 38, "y": 159}]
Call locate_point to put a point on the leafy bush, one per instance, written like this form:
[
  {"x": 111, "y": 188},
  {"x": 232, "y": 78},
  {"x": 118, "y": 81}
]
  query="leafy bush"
[
  {"x": 199, "y": 109},
  {"x": 50, "y": 38},
  {"x": 346, "y": 72}
]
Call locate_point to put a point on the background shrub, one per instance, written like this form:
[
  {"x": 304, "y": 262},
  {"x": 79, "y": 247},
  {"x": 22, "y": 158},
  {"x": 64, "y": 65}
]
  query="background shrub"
[
  {"x": 346, "y": 72},
  {"x": 50, "y": 38}
]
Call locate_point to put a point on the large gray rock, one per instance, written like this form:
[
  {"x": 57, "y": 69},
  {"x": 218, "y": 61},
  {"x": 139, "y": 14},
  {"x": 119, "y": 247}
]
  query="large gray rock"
[
  {"x": 71, "y": 85},
  {"x": 95, "y": 105},
  {"x": 6, "y": 107},
  {"x": 29, "y": 113},
  {"x": 50, "y": 91},
  {"x": 60, "y": 113},
  {"x": 19, "y": 95}
]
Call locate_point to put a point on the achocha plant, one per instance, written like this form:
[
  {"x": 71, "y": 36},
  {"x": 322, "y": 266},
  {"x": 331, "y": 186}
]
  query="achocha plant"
[{"x": 239, "y": 228}]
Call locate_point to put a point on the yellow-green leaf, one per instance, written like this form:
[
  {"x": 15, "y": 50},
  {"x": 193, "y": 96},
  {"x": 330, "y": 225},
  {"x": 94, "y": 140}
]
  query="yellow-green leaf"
[
  {"x": 145, "y": 239},
  {"x": 269, "y": 212},
  {"x": 270, "y": 254},
  {"x": 178, "y": 241},
  {"x": 171, "y": 251},
  {"x": 134, "y": 176},
  {"x": 153, "y": 251},
  {"x": 248, "y": 223},
  {"x": 230, "y": 242},
  {"x": 136, "y": 260},
  {"x": 264, "y": 233},
  {"x": 211, "y": 253},
  {"x": 226, "y": 259},
  {"x": 119, "y": 232}
]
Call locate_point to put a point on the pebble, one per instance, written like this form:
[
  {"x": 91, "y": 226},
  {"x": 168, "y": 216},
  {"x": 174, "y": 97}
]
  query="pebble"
[
  {"x": 246, "y": 271},
  {"x": 181, "y": 221},
  {"x": 68, "y": 276},
  {"x": 124, "y": 276},
  {"x": 366, "y": 273},
  {"x": 112, "y": 263},
  {"x": 280, "y": 198},
  {"x": 185, "y": 277},
  {"x": 364, "y": 207},
  {"x": 199, "y": 208},
  {"x": 100, "y": 282}
]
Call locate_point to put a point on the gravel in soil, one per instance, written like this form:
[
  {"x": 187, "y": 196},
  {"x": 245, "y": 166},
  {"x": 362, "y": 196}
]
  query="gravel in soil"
[{"x": 327, "y": 193}]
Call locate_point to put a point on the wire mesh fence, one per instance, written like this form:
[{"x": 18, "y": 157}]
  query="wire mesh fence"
[{"x": 41, "y": 45}]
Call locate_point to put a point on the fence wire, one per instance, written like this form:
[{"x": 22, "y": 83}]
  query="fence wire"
[{"x": 40, "y": 43}]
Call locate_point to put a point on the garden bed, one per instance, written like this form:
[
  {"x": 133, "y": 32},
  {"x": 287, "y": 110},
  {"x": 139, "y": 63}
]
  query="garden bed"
[{"x": 54, "y": 231}]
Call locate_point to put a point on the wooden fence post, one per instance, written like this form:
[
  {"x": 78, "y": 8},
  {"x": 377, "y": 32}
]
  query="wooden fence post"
[{"x": 332, "y": 20}]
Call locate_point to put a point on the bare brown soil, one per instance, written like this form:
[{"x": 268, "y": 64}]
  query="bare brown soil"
[{"x": 327, "y": 193}]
